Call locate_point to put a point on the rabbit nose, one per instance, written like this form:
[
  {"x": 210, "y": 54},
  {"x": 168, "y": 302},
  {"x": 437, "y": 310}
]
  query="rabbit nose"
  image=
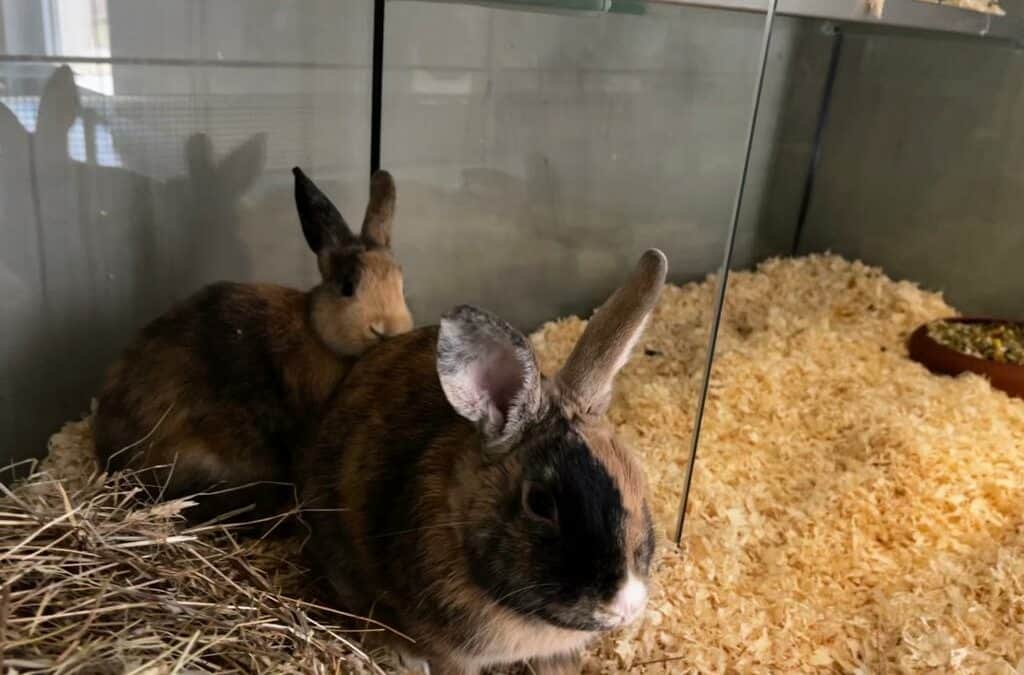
[{"x": 629, "y": 601}]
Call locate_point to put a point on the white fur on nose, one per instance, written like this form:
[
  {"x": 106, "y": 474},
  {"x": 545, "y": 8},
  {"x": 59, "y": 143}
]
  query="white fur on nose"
[{"x": 629, "y": 602}]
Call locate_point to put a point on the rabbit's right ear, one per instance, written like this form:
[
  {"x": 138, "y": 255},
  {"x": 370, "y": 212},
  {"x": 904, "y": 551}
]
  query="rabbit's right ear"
[
  {"x": 489, "y": 375},
  {"x": 380, "y": 211},
  {"x": 322, "y": 224},
  {"x": 603, "y": 349}
]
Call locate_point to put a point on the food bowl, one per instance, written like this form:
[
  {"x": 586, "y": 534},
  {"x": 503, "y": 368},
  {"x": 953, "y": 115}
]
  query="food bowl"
[{"x": 938, "y": 358}]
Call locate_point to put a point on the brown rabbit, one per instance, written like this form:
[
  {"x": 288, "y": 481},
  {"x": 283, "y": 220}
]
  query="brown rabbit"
[
  {"x": 483, "y": 510},
  {"x": 214, "y": 393}
]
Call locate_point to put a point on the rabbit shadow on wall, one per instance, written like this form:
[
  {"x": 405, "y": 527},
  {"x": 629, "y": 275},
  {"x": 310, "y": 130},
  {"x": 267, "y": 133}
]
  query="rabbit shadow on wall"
[
  {"x": 76, "y": 256},
  {"x": 205, "y": 212}
]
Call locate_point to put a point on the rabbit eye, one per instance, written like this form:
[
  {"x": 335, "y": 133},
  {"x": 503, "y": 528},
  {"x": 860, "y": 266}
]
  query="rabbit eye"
[
  {"x": 348, "y": 289},
  {"x": 538, "y": 504}
]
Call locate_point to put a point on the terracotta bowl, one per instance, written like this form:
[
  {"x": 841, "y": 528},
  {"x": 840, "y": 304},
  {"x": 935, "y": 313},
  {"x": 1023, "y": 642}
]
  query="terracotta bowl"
[{"x": 945, "y": 361}]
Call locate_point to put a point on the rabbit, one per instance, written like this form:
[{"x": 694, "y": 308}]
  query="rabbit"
[
  {"x": 473, "y": 505},
  {"x": 216, "y": 392}
]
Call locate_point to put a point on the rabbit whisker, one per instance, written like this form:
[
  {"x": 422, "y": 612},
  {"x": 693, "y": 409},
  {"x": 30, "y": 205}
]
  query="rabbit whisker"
[
  {"x": 413, "y": 530},
  {"x": 529, "y": 587}
]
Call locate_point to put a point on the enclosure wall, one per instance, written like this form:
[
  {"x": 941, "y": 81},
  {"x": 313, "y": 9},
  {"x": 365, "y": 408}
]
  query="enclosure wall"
[
  {"x": 160, "y": 162},
  {"x": 922, "y": 167},
  {"x": 540, "y": 153},
  {"x": 536, "y": 155}
]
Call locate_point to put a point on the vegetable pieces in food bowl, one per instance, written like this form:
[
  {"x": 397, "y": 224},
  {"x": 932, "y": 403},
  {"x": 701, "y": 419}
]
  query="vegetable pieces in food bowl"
[{"x": 988, "y": 347}]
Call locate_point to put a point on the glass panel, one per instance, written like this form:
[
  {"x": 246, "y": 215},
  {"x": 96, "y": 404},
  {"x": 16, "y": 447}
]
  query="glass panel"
[
  {"x": 545, "y": 152},
  {"x": 852, "y": 511},
  {"x": 539, "y": 154},
  {"x": 161, "y": 161}
]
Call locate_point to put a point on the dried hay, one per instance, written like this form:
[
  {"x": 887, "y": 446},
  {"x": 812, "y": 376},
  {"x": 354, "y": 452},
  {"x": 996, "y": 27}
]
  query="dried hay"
[
  {"x": 94, "y": 584},
  {"x": 850, "y": 512}
]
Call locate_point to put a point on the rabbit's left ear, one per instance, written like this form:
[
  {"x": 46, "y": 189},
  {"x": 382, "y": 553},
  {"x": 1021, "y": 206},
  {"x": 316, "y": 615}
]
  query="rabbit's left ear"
[
  {"x": 489, "y": 374},
  {"x": 322, "y": 223}
]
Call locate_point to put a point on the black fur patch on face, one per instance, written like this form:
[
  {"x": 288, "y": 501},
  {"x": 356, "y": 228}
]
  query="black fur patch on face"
[
  {"x": 563, "y": 575},
  {"x": 346, "y": 269}
]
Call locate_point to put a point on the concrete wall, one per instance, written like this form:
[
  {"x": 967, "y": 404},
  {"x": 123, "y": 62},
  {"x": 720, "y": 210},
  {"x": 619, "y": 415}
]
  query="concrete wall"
[
  {"x": 923, "y": 166},
  {"x": 539, "y": 154}
]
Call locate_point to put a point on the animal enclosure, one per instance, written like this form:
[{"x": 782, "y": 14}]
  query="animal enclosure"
[{"x": 823, "y": 177}]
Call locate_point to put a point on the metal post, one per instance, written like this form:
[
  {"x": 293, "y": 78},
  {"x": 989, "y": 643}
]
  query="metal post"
[
  {"x": 723, "y": 277},
  {"x": 819, "y": 131},
  {"x": 377, "y": 85}
]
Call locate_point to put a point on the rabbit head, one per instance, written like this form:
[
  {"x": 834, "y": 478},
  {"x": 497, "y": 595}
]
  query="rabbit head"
[
  {"x": 558, "y": 526},
  {"x": 360, "y": 299}
]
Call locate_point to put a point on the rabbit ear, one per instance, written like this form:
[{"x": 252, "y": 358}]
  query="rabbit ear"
[
  {"x": 58, "y": 108},
  {"x": 380, "y": 212},
  {"x": 489, "y": 374},
  {"x": 603, "y": 349},
  {"x": 240, "y": 169},
  {"x": 322, "y": 223}
]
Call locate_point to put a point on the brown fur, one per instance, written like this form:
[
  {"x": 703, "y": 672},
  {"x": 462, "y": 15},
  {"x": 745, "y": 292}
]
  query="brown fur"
[
  {"x": 217, "y": 392},
  {"x": 405, "y": 492}
]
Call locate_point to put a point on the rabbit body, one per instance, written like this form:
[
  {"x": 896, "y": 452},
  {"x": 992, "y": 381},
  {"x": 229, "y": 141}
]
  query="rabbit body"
[
  {"x": 216, "y": 392},
  {"x": 482, "y": 510}
]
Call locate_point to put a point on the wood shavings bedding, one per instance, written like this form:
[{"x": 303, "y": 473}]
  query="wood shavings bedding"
[{"x": 850, "y": 511}]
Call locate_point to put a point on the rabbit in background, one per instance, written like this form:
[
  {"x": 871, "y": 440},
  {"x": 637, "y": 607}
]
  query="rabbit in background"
[{"x": 216, "y": 392}]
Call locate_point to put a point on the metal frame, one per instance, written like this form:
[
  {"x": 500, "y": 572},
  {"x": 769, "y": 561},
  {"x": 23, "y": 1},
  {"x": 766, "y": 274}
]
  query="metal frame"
[
  {"x": 913, "y": 15},
  {"x": 819, "y": 132},
  {"x": 907, "y": 14},
  {"x": 377, "y": 84},
  {"x": 723, "y": 277},
  {"x": 910, "y": 14}
]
